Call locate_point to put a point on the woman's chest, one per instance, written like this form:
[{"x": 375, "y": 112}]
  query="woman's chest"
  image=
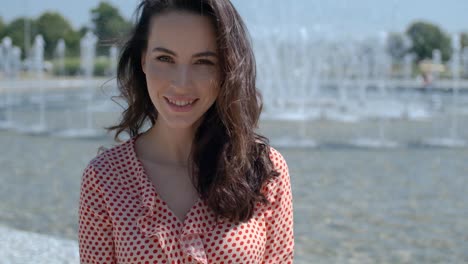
[
  {"x": 142, "y": 234},
  {"x": 239, "y": 243},
  {"x": 174, "y": 186}
]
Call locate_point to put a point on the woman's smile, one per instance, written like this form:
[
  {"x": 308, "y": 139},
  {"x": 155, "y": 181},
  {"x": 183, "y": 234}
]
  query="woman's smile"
[{"x": 178, "y": 104}]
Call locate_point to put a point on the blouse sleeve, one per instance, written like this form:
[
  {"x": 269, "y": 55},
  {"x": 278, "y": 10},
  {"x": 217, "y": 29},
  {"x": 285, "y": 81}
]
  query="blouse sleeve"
[
  {"x": 279, "y": 215},
  {"x": 94, "y": 226}
]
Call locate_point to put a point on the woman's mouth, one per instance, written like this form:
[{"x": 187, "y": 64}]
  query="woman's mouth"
[{"x": 180, "y": 105}]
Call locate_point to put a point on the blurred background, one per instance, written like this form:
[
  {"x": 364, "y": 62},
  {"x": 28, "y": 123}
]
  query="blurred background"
[{"x": 367, "y": 100}]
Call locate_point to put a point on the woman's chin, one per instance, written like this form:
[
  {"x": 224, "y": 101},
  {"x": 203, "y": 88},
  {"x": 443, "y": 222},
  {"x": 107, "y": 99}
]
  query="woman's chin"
[{"x": 182, "y": 124}]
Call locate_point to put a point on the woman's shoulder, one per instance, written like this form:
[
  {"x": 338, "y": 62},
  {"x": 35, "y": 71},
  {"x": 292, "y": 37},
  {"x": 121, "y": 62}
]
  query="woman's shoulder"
[
  {"x": 280, "y": 185},
  {"x": 279, "y": 162},
  {"x": 113, "y": 157},
  {"x": 280, "y": 166}
]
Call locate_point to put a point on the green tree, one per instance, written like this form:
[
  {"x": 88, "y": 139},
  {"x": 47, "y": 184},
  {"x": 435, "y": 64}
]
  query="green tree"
[
  {"x": 2, "y": 27},
  {"x": 109, "y": 26},
  {"x": 16, "y": 31},
  {"x": 82, "y": 31},
  {"x": 72, "y": 42},
  {"x": 53, "y": 26},
  {"x": 398, "y": 45},
  {"x": 464, "y": 39},
  {"x": 427, "y": 37}
]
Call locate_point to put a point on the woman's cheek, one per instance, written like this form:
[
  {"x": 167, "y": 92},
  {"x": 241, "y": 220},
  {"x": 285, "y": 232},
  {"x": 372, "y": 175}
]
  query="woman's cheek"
[
  {"x": 205, "y": 73},
  {"x": 160, "y": 72}
]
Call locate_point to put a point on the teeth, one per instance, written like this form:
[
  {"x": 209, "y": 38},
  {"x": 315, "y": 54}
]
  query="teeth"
[{"x": 180, "y": 103}]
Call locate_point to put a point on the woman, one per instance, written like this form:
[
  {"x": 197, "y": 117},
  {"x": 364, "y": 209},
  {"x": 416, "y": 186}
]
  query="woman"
[{"x": 199, "y": 186}]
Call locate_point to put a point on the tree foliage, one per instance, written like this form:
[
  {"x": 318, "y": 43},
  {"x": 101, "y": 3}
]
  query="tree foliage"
[
  {"x": 398, "y": 45},
  {"x": 427, "y": 37},
  {"x": 53, "y": 26},
  {"x": 15, "y": 30},
  {"x": 72, "y": 42},
  {"x": 109, "y": 26},
  {"x": 2, "y": 27},
  {"x": 464, "y": 39}
]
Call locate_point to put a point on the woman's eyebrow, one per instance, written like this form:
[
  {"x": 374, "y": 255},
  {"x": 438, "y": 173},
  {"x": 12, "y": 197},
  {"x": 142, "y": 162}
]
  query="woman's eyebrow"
[
  {"x": 161, "y": 49},
  {"x": 197, "y": 55},
  {"x": 206, "y": 54}
]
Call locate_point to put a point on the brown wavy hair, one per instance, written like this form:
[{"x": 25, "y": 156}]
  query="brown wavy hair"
[{"x": 229, "y": 161}]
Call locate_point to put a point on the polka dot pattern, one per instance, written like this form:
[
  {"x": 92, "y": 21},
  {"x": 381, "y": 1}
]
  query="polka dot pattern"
[{"x": 122, "y": 219}]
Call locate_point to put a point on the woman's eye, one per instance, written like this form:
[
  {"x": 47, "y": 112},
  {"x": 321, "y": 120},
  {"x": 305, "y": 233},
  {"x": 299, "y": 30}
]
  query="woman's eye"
[
  {"x": 164, "y": 58},
  {"x": 205, "y": 62}
]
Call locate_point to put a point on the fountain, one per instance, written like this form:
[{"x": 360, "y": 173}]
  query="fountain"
[
  {"x": 436, "y": 100},
  {"x": 15, "y": 62},
  {"x": 453, "y": 139},
  {"x": 436, "y": 60},
  {"x": 38, "y": 56},
  {"x": 407, "y": 68},
  {"x": 276, "y": 107},
  {"x": 456, "y": 62},
  {"x": 465, "y": 61},
  {"x": 381, "y": 75},
  {"x": 341, "y": 82},
  {"x": 343, "y": 61},
  {"x": 60, "y": 57},
  {"x": 11, "y": 66},
  {"x": 6, "y": 53},
  {"x": 113, "y": 57},
  {"x": 2, "y": 60},
  {"x": 312, "y": 78},
  {"x": 38, "y": 68},
  {"x": 87, "y": 55}
]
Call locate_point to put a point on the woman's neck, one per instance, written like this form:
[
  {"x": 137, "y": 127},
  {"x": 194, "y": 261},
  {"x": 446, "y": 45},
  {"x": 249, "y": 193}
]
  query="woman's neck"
[{"x": 170, "y": 146}]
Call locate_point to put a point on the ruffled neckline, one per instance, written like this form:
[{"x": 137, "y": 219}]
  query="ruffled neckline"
[{"x": 199, "y": 220}]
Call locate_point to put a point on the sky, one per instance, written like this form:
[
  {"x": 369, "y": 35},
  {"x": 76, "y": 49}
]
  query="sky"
[{"x": 354, "y": 17}]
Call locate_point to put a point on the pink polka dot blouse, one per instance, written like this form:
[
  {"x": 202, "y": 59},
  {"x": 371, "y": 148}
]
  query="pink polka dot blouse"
[{"x": 123, "y": 220}]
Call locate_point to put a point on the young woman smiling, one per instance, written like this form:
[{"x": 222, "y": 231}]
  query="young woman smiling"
[{"x": 200, "y": 185}]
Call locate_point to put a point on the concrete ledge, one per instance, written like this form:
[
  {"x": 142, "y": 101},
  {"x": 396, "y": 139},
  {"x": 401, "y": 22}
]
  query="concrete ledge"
[{"x": 21, "y": 247}]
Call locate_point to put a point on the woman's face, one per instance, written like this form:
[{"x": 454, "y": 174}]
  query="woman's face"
[{"x": 181, "y": 67}]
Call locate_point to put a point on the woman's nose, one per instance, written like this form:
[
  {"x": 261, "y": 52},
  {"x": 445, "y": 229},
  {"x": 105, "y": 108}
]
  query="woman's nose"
[{"x": 181, "y": 76}]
